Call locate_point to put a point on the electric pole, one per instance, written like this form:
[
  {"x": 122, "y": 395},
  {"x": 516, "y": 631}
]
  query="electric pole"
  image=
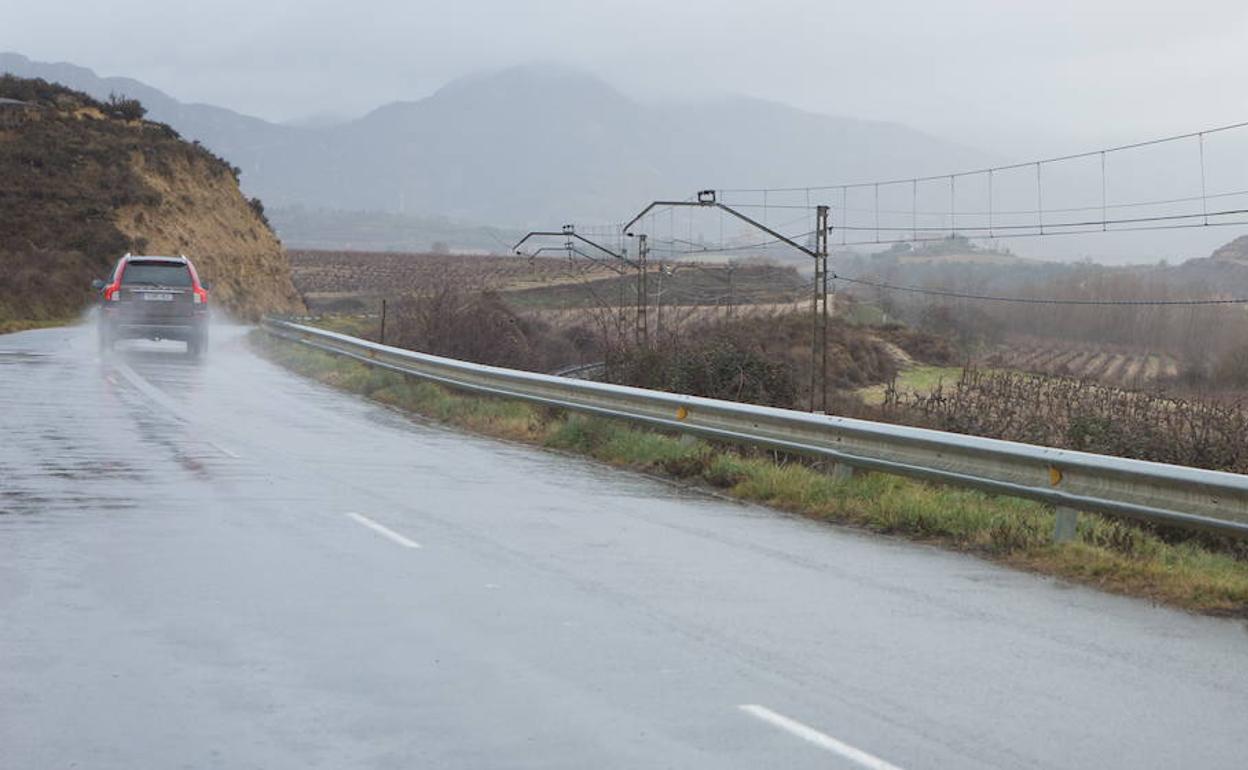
[
  {"x": 658, "y": 308},
  {"x": 819, "y": 314},
  {"x": 643, "y": 323},
  {"x": 383, "y": 321}
]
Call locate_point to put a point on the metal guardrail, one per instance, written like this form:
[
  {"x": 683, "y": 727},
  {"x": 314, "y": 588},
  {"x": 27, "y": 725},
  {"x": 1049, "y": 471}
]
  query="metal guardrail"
[
  {"x": 591, "y": 371},
  {"x": 1073, "y": 481}
]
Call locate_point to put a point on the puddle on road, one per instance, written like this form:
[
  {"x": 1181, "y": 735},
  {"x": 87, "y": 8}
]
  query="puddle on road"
[
  {"x": 88, "y": 470},
  {"x": 19, "y": 503},
  {"x": 160, "y": 433},
  {"x": 67, "y": 445},
  {"x": 21, "y": 357}
]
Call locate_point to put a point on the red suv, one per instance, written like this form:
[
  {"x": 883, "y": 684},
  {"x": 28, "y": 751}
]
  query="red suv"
[{"x": 156, "y": 298}]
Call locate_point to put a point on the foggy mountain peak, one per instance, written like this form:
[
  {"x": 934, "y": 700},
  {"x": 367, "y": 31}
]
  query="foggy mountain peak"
[
  {"x": 530, "y": 92},
  {"x": 532, "y": 144},
  {"x": 540, "y": 79}
]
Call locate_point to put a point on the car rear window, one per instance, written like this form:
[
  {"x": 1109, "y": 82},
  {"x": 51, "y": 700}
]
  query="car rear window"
[{"x": 155, "y": 274}]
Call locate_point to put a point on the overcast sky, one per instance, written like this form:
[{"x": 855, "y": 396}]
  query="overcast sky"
[{"x": 1014, "y": 78}]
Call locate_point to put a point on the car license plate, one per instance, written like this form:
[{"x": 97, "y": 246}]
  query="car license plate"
[{"x": 158, "y": 296}]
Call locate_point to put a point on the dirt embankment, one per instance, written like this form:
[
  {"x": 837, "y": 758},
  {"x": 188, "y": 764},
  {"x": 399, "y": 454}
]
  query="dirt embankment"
[
  {"x": 82, "y": 182},
  {"x": 204, "y": 216}
]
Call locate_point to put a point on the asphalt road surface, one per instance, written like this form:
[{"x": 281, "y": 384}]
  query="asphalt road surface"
[{"x": 222, "y": 565}]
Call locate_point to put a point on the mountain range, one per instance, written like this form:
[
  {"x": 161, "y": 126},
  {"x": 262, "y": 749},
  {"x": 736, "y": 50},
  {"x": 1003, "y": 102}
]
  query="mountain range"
[{"x": 533, "y": 145}]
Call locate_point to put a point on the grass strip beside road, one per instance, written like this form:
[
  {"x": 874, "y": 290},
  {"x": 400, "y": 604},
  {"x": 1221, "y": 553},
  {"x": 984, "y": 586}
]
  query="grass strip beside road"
[
  {"x": 11, "y": 326},
  {"x": 1113, "y": 555}
]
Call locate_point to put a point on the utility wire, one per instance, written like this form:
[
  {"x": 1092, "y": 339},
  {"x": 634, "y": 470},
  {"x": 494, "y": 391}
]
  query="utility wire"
[
  {"x": 1035, "y": 232},
  {"x": 1002, "y": 212},
  {"x": 1036, "y": 225},
  {"x": 995, "y": 169}
]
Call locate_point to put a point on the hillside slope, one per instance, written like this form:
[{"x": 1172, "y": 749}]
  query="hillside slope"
[
  {"x": 231, "y": 135},
  {"x": 84, "y": 181},
  {"x": 1235, "y": 251}
]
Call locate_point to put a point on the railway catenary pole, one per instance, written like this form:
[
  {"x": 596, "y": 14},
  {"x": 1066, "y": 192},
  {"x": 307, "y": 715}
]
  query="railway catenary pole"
[
  {"x": 569, "y": 232},
  {"x": 819, "y": 306},
  {"x": 658, "y": 306},
  {"x": 639, "y": 264},
  {"x": 643, "y": 322},
  {"x": 821, "y": 310},
  {"x": 571, "y": 250}
]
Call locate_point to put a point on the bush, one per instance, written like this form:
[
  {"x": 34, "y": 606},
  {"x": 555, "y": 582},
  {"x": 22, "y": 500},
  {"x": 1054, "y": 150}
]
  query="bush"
[
  {"x": 921, "y": 345},
  {"x": 478, "y": 326},
  {"x": 124, "y": 108},
  {"x": 1232, "y": 367},
  {"x": 720, "y": 366},
  {"x": 257, "y": 206}
]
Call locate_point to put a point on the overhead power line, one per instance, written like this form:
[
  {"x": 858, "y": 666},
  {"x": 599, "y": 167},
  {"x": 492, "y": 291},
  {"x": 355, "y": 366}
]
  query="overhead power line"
[
  {"x": 1090, "y": 229},
  {"x": 995, "y": 169},
  {"x": 1002, "y": 212},
  {"x": 1057, "y": 225}
]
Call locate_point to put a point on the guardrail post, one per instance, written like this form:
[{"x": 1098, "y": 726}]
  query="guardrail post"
[
  {"x": 1065, "y": 524},
  {"x": 843, "y": 472}
]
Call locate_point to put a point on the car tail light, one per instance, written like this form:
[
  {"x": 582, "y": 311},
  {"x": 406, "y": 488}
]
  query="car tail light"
[
  {"x": 112, "y": 293},
  {"x": 200, "y": 296}
]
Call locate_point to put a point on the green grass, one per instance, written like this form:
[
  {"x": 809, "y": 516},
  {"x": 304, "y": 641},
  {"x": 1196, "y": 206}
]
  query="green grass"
[
  {"x": 21, "y": 325},
  {"x": 1110, "y": 554},
  {"x": 354, "y": 325},
  {"x": 916, "y": 379}
]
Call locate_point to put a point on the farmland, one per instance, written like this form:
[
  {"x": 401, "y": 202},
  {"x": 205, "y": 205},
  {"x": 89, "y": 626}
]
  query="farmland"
[
  {"x": 344, "y": 281},
  {"x": 559, "y": 291},
  {"x": 1083, "y": 415},
  {"x": 1109, "y": 364},
  {"x": 680, "y": 284}
]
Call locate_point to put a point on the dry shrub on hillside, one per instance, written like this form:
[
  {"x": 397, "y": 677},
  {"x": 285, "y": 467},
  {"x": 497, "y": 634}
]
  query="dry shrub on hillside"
[
  {"x": 972, "y": 327},
  {"x": 476, "y": 325},
  {"x": 1073, "y": 414},
  {"x": 1231, "y": 369},
  {"x": 718, "y": 365},
  {"x": 765, "y": 358},
  {"x": 920, "y": 344}
]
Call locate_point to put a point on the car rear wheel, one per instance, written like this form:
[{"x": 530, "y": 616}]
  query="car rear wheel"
[{"x": 197, "y": 345}]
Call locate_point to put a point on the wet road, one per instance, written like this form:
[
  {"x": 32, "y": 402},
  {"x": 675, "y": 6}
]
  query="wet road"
[{"x": 225, "y": 566}]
